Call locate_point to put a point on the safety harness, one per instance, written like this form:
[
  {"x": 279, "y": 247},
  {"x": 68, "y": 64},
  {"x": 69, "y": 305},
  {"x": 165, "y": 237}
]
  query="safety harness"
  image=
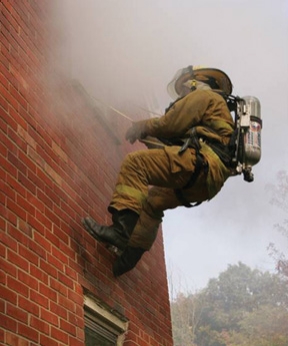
[
  {"x": 224, "y": 152},
  {"x": 192, "y": 142}
]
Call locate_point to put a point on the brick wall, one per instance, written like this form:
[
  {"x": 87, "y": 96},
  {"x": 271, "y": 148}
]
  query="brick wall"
[{"x": 58, "y": 162}]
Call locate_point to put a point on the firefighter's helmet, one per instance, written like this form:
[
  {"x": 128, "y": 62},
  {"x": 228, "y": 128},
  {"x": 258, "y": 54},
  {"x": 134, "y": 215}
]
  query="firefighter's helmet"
[{"x": 215, "y": 78}]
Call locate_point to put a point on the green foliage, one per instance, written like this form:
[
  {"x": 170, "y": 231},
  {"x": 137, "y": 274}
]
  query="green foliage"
[
  {"x": 280, "y": 200},
  {"x": 242, "y": 307}
]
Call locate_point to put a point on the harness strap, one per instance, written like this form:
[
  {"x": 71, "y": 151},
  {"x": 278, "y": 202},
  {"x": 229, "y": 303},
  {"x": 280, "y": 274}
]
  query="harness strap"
[{"x": 200, "y": 164}]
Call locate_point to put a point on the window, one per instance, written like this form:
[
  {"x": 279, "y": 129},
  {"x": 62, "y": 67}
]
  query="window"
[{"x": 102, "y": 327}]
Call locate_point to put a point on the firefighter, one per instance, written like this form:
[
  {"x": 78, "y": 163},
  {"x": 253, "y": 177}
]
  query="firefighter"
[{"x": 191, "y": 167}]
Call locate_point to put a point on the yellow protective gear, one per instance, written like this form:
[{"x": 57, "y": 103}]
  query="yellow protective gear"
[{"x": 165, "y": 169}]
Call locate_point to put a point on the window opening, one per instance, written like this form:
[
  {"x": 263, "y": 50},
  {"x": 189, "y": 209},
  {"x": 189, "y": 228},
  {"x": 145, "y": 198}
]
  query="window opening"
[{"x": 102, "y": 328}]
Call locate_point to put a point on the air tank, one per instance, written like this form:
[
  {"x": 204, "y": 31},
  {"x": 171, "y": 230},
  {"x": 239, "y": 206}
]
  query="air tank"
[{"x": 252, "y": 137}]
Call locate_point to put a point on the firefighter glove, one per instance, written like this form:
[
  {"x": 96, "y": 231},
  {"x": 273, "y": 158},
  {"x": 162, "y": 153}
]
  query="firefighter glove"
[{"x": 136, "y": 131}]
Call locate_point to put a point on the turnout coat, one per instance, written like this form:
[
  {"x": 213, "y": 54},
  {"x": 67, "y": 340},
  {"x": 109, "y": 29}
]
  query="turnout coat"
[{"x": 148, "y": 179}]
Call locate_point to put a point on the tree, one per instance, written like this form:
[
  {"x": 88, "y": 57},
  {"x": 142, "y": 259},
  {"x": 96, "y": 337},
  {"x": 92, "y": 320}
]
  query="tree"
[
  {"x": 280, "y": 199},
  {"x": 186, "y": 313},
  {"x": 240, "y": 307}
]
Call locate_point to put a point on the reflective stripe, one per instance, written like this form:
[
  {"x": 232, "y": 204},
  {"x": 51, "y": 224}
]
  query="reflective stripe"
[{"x": 130, "y": 191}]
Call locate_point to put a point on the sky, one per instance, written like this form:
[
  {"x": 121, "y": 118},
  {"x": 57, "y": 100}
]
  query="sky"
[{"x": 129, "y": 50}]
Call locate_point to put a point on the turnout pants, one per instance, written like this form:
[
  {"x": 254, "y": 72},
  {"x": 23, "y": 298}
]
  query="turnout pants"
[{"x": 146, "y": 184}]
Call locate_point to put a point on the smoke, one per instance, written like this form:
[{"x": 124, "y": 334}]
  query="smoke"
[
  {"x": 110, "y": 47},
  {"x": 126, "y": 52}
]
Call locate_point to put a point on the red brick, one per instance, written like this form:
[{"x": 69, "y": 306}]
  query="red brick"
[
  {"x": 59, "y": 335},
  {"x": 58, "y": 310},
  {"x": 8, "y": 294},
  {"x": 38, "y": 274},
  {"x": 19, "y": 99},
  {"x": 17, "y": 234},
  {"x": 28, "y": 332},
  {"x": 19, "y": 120},
  {"x": 52, "y": 238},
  {"x": 42, "y": 241},
  {"x": 17, "y": 163},
  {"x": 8, "y": 241},
  {"x": 13, "y": 340},
  {"x": 8, "y": 323},
  {"x": 18, "y": 260},
  {"x": 35, "y": 180},
  {"x": 68, "y": 210},
  {"x": 3, "y": 102},
  {"x": 80, "y": 334},
  {"x": 8, "y": 268},
  {"x": 28, "y": 280},
  {"x": 25, "y": 228},
  {"x": 16, "y": 209},
  {"x": 75, "y": 297},
  {"x": 35, "y": 158},
  {"x": 71, "y": 273},
  {"x": 68, "y": 327},
  {"x": 47, "y": 292},
  {"x": 3, "y": 99},
  {"x": 11, "y": 147},
  {"x": 16, "y": 313},
  {"x": 67, "y": 251},
  {"x": 4, "y": 129},
  {"x": 48, "y": 268},
  {"x": 47, "y": 341},
  {"x": 43, "y": 219},
  {"x": 29, "y": 306},
  {"x": 39, "y": 299},
  {"x": 30, "y": 256},
  {"x": 17, "y": 140},
  {"x": 17, "y": 286},
  {"x": 28, "y": 207},
  {"x": 26, "y": 183},
  {"x": 35, "y": 247},
  {"x": 59, "y": 287},
  {"x": 49, "y": 189},
  {"x": 14, "y": 184},
  {"x": 8, "y": 167},
  {"x": 2, "y": 246},
  {"x": 44, "y": 199},
  {"x": 60, "y": 256},
  {"x": 59, "y": 233},
  {"x": 52, "y": 172},
  {"x": 65, "y": 280},
  {"x": 52, "y": 217},
  {"x": 4, "y": 58},
  {"x": 7, "y": 191},
  {"x": 67, "y": 303},
  {"x": 3, "y": 306},
  {"x": 30, "y": 164},
  {"x": 33, "y": 222},
  {"x": 76, "y": 342},
  {"x": 49, "y": 317},
  {"x": 40, "y": 325},
  {"x": 2, "y": 336}
]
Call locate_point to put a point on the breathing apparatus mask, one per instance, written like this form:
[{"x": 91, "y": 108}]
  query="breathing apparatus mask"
[{"x": 246, "y": 139}]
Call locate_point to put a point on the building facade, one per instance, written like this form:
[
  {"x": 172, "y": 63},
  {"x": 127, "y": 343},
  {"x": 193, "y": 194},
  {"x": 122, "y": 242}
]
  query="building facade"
[{"x": 60, "y": 152}]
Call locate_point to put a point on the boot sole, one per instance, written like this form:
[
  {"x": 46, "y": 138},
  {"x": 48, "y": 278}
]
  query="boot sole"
[{"x": 112, "y": 248}]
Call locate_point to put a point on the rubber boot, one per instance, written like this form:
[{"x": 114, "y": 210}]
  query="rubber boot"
[
  {"x": 118, "y": 233},
  {"x": 128, "y": 260}
]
